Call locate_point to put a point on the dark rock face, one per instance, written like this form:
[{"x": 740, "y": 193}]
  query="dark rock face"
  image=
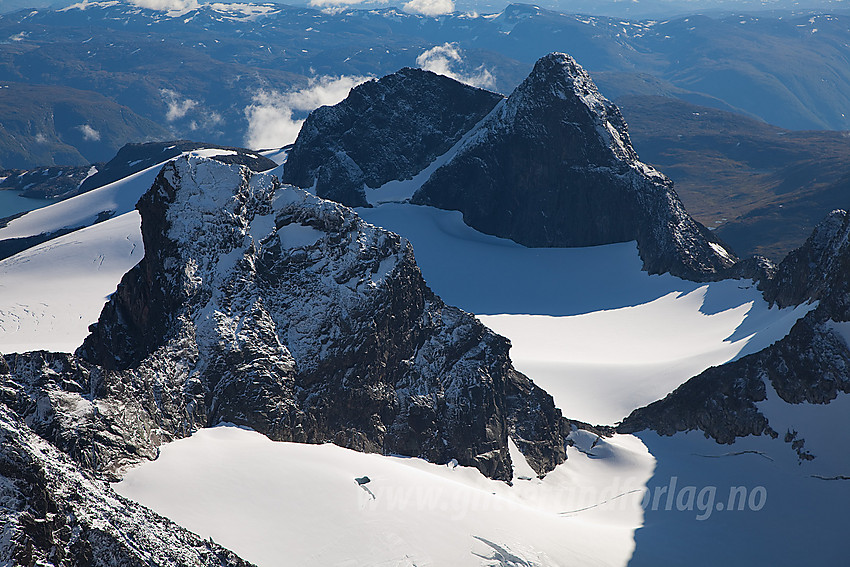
[
  {"x": 261, "y": 305},
  {"x": 52, "y": 512},
  {"x": 810, "y": 365},
  {"x": 817, "y": 271},
  {"x": 385, "y": 130},
  {"x": 553, "y": 166}
]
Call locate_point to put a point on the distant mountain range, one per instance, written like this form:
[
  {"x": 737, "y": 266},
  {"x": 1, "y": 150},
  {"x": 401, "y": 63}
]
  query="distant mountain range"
[
  {"x": 198, "y": 73},
  {"x": 615, "y": 8},
  {"x": 760, "y": 187}
]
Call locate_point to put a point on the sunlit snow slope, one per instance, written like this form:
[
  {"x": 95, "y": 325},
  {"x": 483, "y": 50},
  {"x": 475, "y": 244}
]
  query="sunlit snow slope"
[
  {"x": 586, "y": 324},
  {"x": 51, "y": 293},
  {"x": 291, "y": 504}
]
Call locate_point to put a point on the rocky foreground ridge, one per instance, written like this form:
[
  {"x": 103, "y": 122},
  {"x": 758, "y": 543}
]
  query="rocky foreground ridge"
[
  {"x": 261, "y": 305},
  {"x": 810, "y": 365}
]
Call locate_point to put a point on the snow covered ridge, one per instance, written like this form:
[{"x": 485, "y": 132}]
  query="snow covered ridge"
[
  {"x": 808, "y": 367},
  {"x": 111, "y": 191},
  {"x": 60, "y": 263},
  {"x": 550, "y": 166},
  {"x": 261, "y": 305}
]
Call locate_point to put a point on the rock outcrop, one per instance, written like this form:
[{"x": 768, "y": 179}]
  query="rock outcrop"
[
  {"x": 385, "y": 130},
  {"x": 551, "y": 165},
  {"x": 810, "y": 365},
  {"x": 817, "y": 271},
  {"x": 52, "y": 512},
  {"x": 261, "y": 305}
]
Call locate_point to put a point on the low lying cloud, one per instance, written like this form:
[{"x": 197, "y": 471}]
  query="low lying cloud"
[
  {"x": 333, "y": 3},
  {"x": 177, "y": 108},
  {"x": 89, "y": 133},
  {"x": 447, "y": 60},
  {"x": 429, "y": 7},
  {"x": 275, "y": 118},
  {"x": 167, "y": 5}
]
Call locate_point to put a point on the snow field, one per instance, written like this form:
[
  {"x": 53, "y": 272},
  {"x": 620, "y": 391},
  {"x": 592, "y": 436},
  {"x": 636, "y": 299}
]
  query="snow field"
[
  {"x": 51, "y": 293},
  {"x": 292, "y": 504},
  {"x": 586, "y": 324}
]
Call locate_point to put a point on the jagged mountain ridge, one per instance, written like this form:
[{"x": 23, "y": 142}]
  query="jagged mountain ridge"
[
  {"x": 551, "y": 165},
  {"x": 554, "y": 166},
  {"x": 811, "y": 365},
  {"x": 130, "y": 160},
  {"x": 261, "y": 305},
  {"x": 365, "y": 142}
]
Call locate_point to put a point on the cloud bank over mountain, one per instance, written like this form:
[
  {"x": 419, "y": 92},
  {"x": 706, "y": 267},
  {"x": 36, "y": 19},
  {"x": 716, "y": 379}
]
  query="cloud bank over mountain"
[{"x": 273, "y": 116}]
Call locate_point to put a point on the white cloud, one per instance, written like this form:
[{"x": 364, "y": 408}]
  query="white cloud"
[
  {"x": 212, "y": 119},
  {"x": 89, "y": 133},
  {"x": 321, "y": 3},
  {"x": 430, "y": 7},
  {"x": 171, "y": 6},
  {"x": 177, "y": 108},
  {"x": 271, "y": 121},
  {"x": 85, "y": 4},
  {"x": 447, "y": 60}
]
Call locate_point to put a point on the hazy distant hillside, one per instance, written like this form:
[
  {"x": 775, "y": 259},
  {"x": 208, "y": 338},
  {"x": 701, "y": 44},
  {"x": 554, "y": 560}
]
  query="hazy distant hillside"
[
  {"x": 761, "y": 187},
  {"x": 56, "y": 125},
  {"x": 663, "y": 8},
  {"x": 243, "y": 74}
]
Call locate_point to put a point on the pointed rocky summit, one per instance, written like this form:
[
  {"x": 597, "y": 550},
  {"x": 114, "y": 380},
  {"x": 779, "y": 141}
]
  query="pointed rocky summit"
[
  {"x": 261, "y": 305},
  {"x": 550, "y": 166},
  {"x": 553, "y": 166}
]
